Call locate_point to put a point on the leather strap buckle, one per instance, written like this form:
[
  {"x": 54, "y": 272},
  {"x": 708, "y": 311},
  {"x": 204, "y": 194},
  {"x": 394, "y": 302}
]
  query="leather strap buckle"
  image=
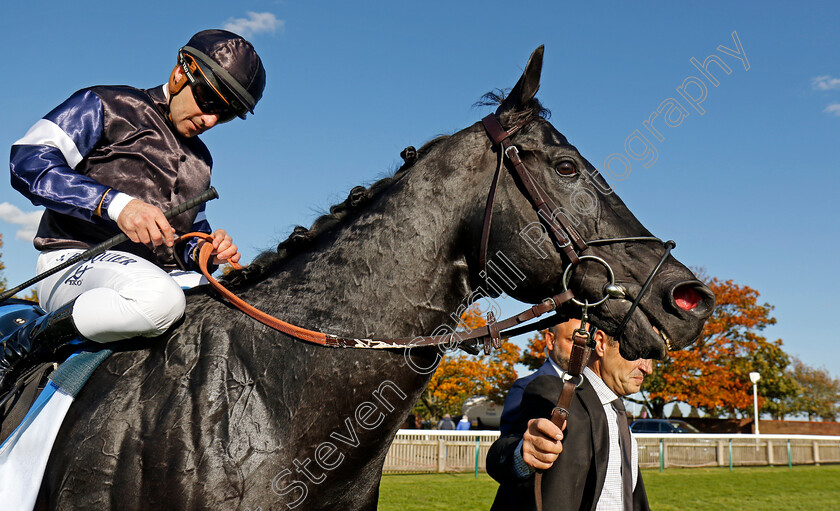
[
  {"x": 560, "y": 411},
  {"x": 515, "y": 151},
  {"x": 495, "y": 337}
]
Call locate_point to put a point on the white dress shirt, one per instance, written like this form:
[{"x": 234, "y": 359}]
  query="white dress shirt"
[{"x": 610, "y": 498}]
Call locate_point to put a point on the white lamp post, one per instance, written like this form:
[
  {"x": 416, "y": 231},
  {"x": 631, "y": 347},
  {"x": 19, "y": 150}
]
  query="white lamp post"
[{"x": 754, "y": 377}]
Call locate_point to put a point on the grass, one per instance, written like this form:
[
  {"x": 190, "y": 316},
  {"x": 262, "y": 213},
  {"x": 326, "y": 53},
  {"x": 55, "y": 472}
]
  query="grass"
[
  {"x": 432, "y": 492},
  {"x": 757, "y": 488},
  {"x": 715, "y": 489}
]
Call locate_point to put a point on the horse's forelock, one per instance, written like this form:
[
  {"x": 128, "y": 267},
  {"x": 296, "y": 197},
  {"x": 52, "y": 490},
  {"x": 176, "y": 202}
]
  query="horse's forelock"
[{"x": 520, "y": 116}]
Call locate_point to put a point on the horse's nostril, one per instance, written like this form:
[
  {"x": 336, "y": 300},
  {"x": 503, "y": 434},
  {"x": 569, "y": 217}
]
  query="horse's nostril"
[{"x": 686, "y": 297}]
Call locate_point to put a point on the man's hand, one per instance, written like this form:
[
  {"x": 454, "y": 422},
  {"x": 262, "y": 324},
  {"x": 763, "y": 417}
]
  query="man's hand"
[
  {"x": 146, "y": 224},
  {"x": 223, "y": 248},
  {"x": 541, "y": 443}
]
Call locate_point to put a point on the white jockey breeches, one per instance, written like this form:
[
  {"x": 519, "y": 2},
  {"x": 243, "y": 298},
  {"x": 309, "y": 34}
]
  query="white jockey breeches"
[{"x": 118, "y": 295}]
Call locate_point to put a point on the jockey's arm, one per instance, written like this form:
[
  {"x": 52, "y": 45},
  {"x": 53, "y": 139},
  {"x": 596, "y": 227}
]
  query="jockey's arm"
[
  {"x": 43, "y": 168},
  {"x": 43, "y": 163}
]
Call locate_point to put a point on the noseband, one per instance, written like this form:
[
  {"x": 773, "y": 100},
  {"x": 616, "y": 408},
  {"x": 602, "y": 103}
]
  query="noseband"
[{"x": 566, "y": 239}]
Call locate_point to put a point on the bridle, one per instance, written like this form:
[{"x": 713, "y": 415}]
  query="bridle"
[
  {"x": 565, "y": 237},
  {"x": 567, "y": 240}
]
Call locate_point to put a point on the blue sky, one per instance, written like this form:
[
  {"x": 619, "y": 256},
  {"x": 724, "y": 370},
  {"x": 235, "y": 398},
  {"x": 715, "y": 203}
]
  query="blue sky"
[{"x": 747, "y": 189}]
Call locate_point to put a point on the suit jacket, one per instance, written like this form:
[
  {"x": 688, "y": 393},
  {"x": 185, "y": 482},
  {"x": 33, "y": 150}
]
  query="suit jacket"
[
  {"x": 514, "y": 397},
  {"x": 576, "y": 478}
]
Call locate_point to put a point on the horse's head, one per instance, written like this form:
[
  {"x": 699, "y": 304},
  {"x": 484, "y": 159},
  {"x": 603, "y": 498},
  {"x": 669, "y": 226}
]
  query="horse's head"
[{"x": 655, "y": 304}]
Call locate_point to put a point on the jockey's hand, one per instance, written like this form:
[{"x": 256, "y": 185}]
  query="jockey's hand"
[
  {"x": 146, "y": 224},
  {"x": 541, "y": 443},
  {"x": 223, "y": 248}
]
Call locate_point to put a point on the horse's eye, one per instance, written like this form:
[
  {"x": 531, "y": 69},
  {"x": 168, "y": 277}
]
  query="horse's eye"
[{"x": 566, "y": 168}]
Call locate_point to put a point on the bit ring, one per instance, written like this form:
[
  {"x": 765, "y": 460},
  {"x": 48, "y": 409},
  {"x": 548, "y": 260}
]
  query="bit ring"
[{"x": 567, "y": 274}]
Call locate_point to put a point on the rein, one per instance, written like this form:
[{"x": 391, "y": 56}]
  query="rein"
[
  {"x": 579, "y": 356},
  {"x": 490, "y": 335},
  {"x": 566, "y": 239}
]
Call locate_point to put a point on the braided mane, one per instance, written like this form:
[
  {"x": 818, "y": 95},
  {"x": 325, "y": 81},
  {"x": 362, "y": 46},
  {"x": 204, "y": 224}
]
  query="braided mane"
[{"x": 302, "y": 238}]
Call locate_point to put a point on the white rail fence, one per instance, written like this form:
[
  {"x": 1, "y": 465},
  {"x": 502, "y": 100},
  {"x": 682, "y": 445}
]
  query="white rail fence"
[
  {"x": 465, "y": 451},
  {"x": 439, "y": 451},
  {"x": 687, "y": 450}
]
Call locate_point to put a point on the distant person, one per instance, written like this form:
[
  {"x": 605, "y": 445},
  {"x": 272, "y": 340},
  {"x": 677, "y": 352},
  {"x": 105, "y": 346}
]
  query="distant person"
[
  {"x": 464, "y": 423},
  {"x": 446, "y": 423},
  {"x": 110, "y": 160},
  {"x": 597, "y": 466}
]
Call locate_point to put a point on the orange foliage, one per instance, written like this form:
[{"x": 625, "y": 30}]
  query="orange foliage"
[
  {"x": 2, "y": 267},
  {"x": 713, "y": 375},
  {"x": 460, "y": 376},
  {"x": 534, "y": 354}
]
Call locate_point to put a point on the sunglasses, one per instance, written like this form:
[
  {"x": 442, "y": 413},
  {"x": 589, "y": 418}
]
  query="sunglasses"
[{"x": 207, "y": 96}]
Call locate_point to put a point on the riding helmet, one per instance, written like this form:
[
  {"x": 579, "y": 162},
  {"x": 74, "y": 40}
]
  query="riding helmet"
[{"x": 232, "y": 61}]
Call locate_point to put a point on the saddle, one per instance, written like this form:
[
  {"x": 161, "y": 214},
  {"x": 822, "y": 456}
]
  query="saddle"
[
  {"x": 15, "y": 313},
  {"x": 32, "y": 412},
  {"x": 59, "y": 372}
]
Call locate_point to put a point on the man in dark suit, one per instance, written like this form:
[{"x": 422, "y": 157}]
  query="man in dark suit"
[
  {"x": 558, "y": 346},
  {"x": 591, "y": 469}
]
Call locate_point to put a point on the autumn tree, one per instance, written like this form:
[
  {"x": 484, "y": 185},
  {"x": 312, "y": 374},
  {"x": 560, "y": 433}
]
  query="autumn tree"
[
  {"x": 460, "y": 376},
  {"x": 2, "y": 266},
  {"x": 534, "y": 354},
  {"x": 713, "y": 374},
  {"x": 33, "y": 294},
  {"x": 818, "y": 394}
]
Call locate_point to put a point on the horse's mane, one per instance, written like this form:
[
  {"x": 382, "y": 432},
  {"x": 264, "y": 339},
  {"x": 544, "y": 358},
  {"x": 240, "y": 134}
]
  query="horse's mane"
[{"x": 302, "y": 238}]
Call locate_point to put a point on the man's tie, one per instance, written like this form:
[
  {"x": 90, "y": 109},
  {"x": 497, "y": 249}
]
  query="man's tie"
[{"x": 624, "y": 443}]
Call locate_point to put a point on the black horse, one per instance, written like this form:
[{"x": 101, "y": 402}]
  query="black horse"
[{"x": 225, "y": 413}]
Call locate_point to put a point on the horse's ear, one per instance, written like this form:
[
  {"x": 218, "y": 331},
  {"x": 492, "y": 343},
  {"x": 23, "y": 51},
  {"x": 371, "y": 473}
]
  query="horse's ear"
[{"x": 527, "y": 86}]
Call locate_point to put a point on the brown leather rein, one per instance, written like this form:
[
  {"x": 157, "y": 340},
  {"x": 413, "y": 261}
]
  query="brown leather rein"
[
  {"x": 566, "y": 239},
  {"x": 579, "y": 356},
  {"x": 489, "y": 335}
]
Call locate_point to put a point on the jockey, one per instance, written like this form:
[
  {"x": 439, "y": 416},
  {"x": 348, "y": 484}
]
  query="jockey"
[{"x": 111, "y": 159}]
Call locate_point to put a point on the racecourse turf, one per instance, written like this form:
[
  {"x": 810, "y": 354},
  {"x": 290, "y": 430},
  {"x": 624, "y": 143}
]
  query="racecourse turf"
[{"x": 808, "y": 488}]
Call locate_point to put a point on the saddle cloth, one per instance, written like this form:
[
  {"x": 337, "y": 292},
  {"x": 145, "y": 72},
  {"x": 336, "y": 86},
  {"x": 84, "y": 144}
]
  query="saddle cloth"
[{"x": 24, "y": 454}]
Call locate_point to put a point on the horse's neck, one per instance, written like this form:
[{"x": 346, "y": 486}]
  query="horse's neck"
[{"x": 396, "y": 269}]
